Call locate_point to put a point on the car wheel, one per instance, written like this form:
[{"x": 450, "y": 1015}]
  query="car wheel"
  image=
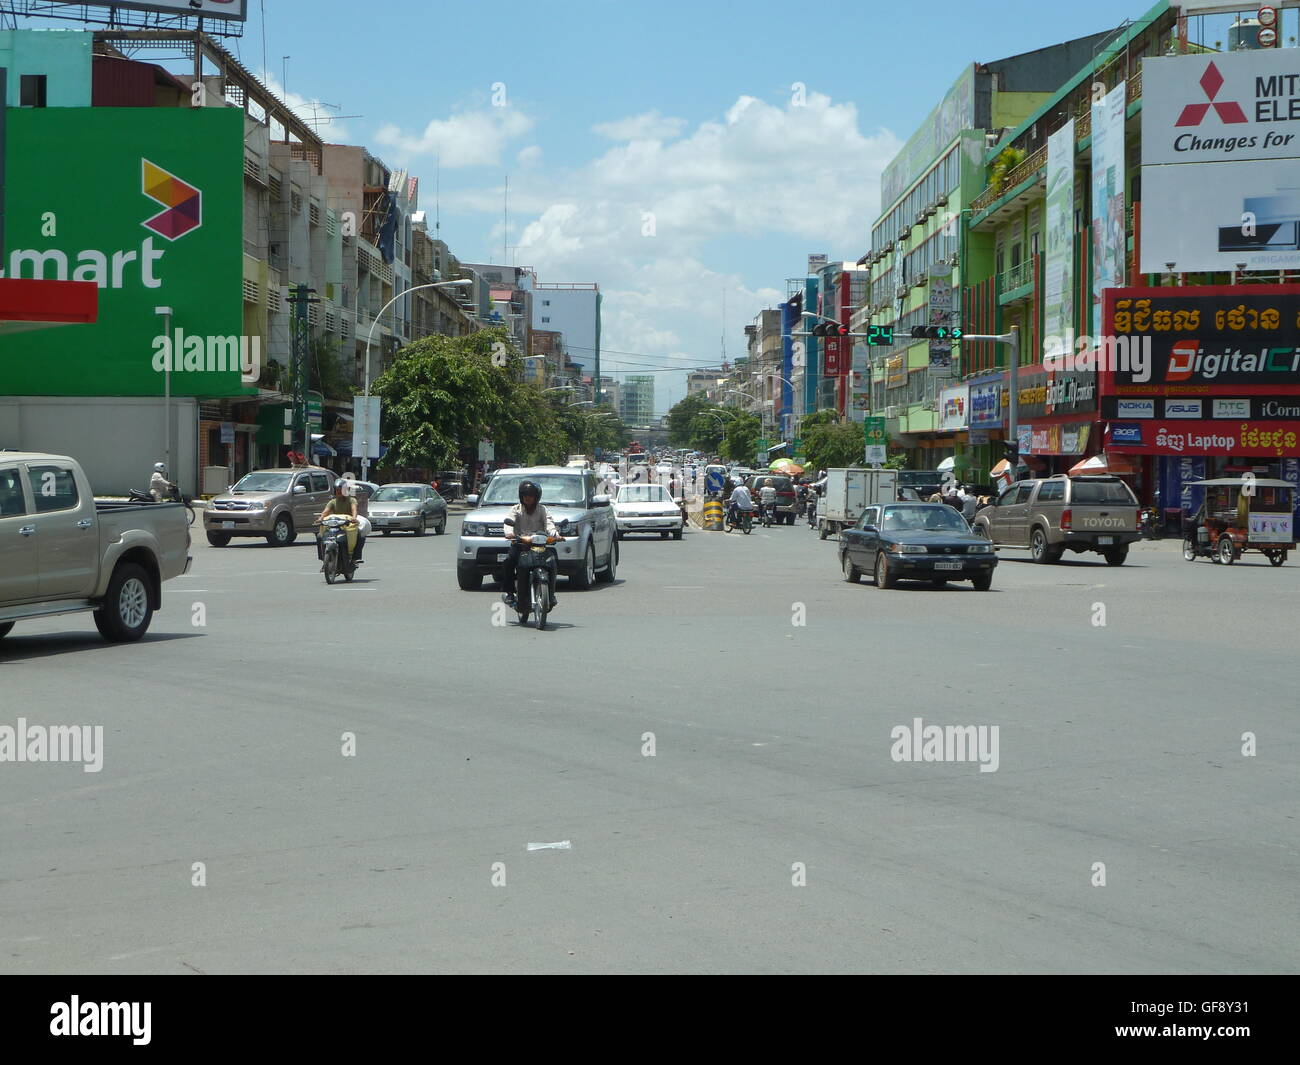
[
  {"x": 387, "y": 532},
  {"x": 1189, "y": 549},
  {"x": 851, "y": 572},
  {"x": 983, "y": 582},
  {"x": 126, "y": 612},
  {"x": 1227, "y": 551},
  {"x": 1117, "y": 555},
  {"x": 1038, "y": 549},
  {"x": 663, "y": 536},
  {"x": 282, "y": 533},
  {"x": 6, "y": 627},
  {"x": 219, "y": 539},
  {"x": 419, "y": 526},
  {"x": 884, "y": 576},
  {"x": 607, "y": 575},
  {"x": 823, "y": 531},
  {"x": 1275, "y": 557},
  {"x": 441, "y": 527},
  {"x": 586, "y": 577},
  {"x": 938, "y": 582},
  {"x": 677, "y": 533},
  {"x": 468, "y": 580}
]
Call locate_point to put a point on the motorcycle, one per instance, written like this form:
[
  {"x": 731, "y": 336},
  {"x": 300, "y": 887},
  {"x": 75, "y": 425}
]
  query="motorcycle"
[
  {"x": 333, "y": 548},
  {"x": 768, "y": 512},
  {"x": 1149, "y": 526},
  {"x": 534, "y": 577},
  {"x": 134, "y": 495},
  {"x": 744, "y": 521}
]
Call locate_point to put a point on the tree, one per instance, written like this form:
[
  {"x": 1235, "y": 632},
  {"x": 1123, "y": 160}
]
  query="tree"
[
  {"x": 829, "y": 443},
  {"x": 442, "y": 392},
  {"x": 681, "y": 416},
  {"x": 740, "y": 441},
  {"x": 706, "y": 432}
]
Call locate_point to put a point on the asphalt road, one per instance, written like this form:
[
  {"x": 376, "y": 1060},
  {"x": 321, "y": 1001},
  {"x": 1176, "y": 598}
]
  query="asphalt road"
[{"x": 771, "y": 687}]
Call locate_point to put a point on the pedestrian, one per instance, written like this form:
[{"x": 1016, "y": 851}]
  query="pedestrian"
[{"x": 969, "y": 502}]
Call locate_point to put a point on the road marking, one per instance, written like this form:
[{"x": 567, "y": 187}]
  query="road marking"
[{"x": 683, "y": 588}]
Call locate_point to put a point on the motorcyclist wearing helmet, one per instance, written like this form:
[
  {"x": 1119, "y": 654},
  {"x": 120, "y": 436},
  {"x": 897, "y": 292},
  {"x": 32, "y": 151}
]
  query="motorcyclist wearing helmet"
[
  {"x": 345, "y": 503},
  {"x": 159, "y": 487},
  {"x": 527, "y": 517}
]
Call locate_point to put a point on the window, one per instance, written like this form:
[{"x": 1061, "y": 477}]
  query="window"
[
  {"x": 1051, "y": 492},
  {"x": 1009, "y": 496},
  {"x": 546, "y": 303},
  {"x": 1023, "y": 492},
  {"x": 1101, "y": 492},
  {"x": 31, "y": 90},
  {"x": 870, "y": 516},
  {"x": 320, "y": 482},
  {"x": 53, "y": 488},
  {"x": 546, "y": 321},
  {"x": 12, "y": 503}
]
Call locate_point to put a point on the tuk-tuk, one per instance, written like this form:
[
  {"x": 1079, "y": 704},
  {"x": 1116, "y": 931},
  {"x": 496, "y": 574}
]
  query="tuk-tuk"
[{"x": 1242, "y": 514}]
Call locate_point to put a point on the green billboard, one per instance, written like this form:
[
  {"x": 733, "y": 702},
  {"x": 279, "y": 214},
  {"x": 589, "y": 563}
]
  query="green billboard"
[{"x": 148, "y": 204}]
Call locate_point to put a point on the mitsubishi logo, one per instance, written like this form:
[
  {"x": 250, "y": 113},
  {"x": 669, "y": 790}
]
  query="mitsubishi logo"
[{"x": 1211, "y": 83}]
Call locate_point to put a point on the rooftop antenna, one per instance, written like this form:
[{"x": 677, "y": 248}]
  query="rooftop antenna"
[
  {"x": 724, "y": 325},
  {"x": 505, "y": 223},
  {"x": 437, "y": 196}
]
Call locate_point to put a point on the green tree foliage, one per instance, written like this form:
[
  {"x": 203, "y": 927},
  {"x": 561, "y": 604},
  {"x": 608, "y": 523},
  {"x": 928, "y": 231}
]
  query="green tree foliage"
[
  {"x": 740, "y": 440},
  {"x": 681, "y": 416},
  {"x": 830, "y": 443},
  {"x": 706, "y": 432}
]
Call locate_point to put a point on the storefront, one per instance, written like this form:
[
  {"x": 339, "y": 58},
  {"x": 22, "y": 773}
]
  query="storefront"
[
  {"x": 986, "y": 423},
  {"x": 1203, "y": 382},
  {"x": 1056, "y": 419}
]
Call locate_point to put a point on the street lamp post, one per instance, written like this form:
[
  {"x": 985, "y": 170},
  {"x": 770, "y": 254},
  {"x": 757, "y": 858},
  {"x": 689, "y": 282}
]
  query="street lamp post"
[
  {"x": 365, "y": 443},
  {"x": 166, "y": 314}
]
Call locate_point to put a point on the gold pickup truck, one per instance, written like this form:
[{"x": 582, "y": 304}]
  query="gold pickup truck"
[
  {"x": 1053, "y": 514},
  {"x": 64, "y": 552}
]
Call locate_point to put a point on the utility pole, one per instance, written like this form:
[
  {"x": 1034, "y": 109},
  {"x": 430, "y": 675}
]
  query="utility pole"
[
  {"x": 300, "y": 358},
  {"x": 1012, "y": 340}
]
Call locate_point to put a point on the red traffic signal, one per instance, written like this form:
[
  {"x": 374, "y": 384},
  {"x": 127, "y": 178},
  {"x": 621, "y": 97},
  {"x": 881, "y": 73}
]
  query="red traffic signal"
[{"x": 830, "y": 329}]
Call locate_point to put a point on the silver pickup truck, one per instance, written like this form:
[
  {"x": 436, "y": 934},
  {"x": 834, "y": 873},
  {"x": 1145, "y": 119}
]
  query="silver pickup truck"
[
  {"x": 63, "y": 552},
  {"x": 1054, "y": 514}
]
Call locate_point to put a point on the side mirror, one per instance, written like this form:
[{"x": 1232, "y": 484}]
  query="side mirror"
[
  {"x": 600, "y": 501},
  {"x": 472, "y": 500},
  {"x": 870, "y": 529},
  {"x": 679, "y": 500},
  {"x": 299, "y": 489}
]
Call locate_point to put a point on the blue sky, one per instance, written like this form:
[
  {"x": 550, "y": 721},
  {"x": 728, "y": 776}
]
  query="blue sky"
[{"x": 615, "y": 111}]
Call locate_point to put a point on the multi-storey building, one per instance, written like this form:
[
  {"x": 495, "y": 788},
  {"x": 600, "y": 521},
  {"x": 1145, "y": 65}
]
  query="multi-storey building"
[
  {"x": 637, "y": 400},
  {"x": 917, "y": 258}
]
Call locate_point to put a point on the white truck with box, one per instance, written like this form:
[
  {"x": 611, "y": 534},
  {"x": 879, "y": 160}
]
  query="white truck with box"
[{"x": 848, "y": 492}]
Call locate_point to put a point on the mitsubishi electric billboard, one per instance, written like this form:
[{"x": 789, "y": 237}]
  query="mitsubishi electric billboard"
[
  {"x": 1221, "y": 161},
  {"x": 227, "y": 9},
  {"x": 148, "y": 204}
]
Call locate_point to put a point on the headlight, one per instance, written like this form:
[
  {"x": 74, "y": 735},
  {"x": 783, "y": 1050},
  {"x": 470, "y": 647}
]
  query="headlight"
[
  {"x": 473, "y": 528},
  {"x": 979, "y": 549},
  {"x": 256, "y": 506},
  {"x": 911, "y": 549},
  {"x": 406, "y": 513}
]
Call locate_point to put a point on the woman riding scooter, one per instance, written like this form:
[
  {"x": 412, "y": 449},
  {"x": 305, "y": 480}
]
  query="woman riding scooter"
[{"x": 345, "y": 503}]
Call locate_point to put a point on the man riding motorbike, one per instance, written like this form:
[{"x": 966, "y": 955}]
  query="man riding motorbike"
[
  {"x": 740, "y": 500},
  {"x": 159, "y": 487},
  {"x": 767, "y": 497},
  {"x": 345, "y": 503},
  {"x": 527, "y": 517}
]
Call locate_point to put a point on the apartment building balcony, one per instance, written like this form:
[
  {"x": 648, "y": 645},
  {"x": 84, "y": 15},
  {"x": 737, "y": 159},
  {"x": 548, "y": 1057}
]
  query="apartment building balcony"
[{"x": 1017, "y": 283}]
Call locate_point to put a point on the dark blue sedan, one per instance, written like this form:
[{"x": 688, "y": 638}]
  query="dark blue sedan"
[{"x": 916, "y": 541}]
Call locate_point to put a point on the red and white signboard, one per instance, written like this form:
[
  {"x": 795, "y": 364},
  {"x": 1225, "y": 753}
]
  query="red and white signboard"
[{"x": 1260, "y": 438}]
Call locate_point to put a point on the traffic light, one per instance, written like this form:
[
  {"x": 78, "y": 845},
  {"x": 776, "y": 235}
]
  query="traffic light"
[
  {"x": 830, "y": 329},
  {"x": 935, "y": 332}
]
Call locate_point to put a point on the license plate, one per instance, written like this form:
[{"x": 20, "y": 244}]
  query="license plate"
[
  {"x": 947, "y": 565},
  {"x": 502, "y": 558},
  {"x": 1105, "y": 539},
  {"x": 227, "y": 524}
]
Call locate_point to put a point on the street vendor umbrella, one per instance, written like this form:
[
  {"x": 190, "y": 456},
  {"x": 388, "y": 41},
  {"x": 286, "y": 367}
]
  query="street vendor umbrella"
[
  {"x": 1114, "y": 464},
  {"x": 1001, "y": 468},
  {"x": 786, "y": 466}
]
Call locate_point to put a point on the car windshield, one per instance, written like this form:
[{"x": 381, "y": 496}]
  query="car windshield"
[
  {"x": 1101, "y": 492},
  {"x": 397, "y": 495},
  {"x": 643, "y": 493},
  {"x": 558, "y": 490},
  {"x": 264, "y": 482},
  {"x": 924, "y": 519}
]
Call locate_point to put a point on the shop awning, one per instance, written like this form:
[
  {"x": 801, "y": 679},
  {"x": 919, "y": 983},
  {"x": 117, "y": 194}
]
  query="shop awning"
[
  {"x": 1119, "y": 465},
  {"x": 26, "y": 304}
]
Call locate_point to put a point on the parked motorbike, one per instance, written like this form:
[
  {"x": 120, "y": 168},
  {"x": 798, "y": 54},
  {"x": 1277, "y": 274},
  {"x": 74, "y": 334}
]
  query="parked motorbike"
[
  {"x": 333, "y": 548},
  {"x": 134, "y": 495},
  {"x": 1149, "y": 526},
  {"x": 534, "y": 579}
]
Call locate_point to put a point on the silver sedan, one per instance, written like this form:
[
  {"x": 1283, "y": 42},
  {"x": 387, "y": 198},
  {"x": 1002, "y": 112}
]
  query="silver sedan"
[{"x": 410, "y": 507}]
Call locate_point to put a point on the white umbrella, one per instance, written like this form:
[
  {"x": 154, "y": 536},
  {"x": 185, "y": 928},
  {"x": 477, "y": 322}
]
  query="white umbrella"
[{"x": 947, "y": 464}]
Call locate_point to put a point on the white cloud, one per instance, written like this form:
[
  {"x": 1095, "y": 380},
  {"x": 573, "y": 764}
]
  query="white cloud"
[
  {"x": 649, "y": 126},
  {"x": 312, "y": 111},
  {"x": 470, "y": 138},
  {"x": 759, "y": 171},
  {"x": 530, "y": 157}
]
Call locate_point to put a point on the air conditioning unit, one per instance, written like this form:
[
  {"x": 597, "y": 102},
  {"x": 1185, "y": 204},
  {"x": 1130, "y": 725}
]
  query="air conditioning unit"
[
  {"x": 942, "y": 201},
  {"x": 901, "y": 293},
  {"x": 893, "y": 412}
]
